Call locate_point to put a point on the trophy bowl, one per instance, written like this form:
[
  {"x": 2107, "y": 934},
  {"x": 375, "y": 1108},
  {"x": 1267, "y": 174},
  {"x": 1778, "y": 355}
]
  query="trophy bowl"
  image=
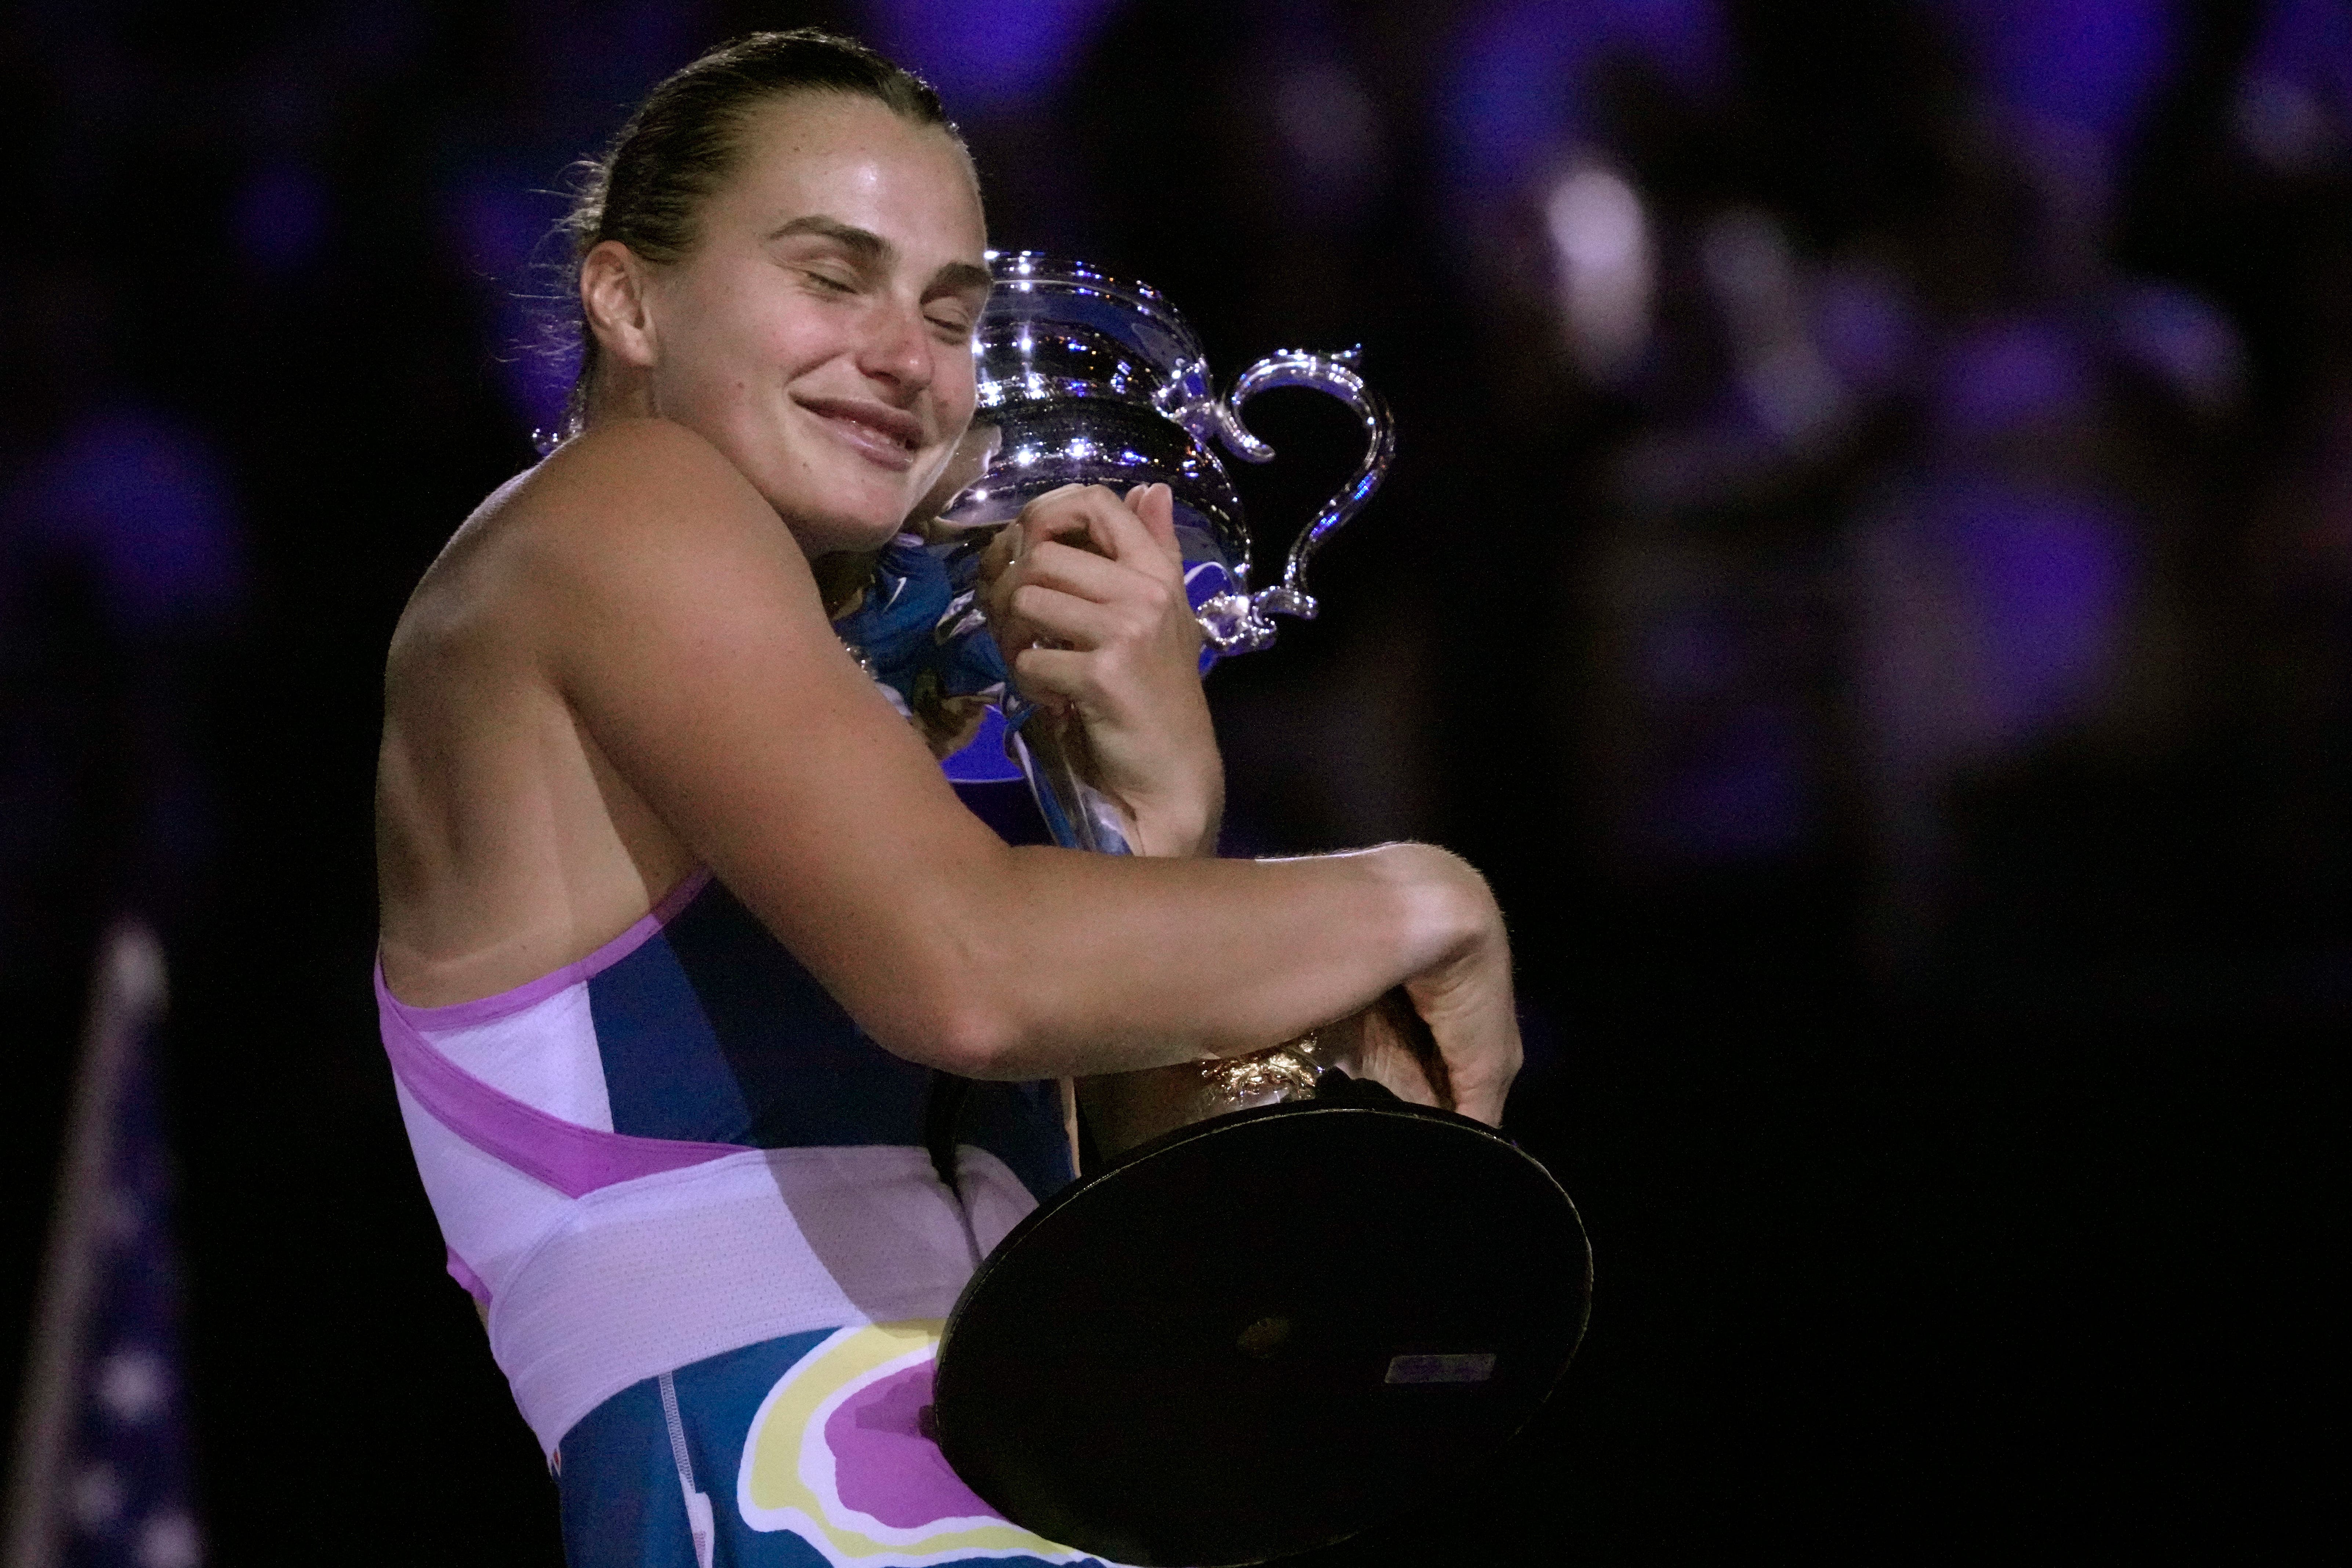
[{"x": 1086, "y": 379}]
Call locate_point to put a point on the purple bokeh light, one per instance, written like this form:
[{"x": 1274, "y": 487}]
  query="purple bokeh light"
[
  {"x": 2094, "y": 65},
  {"x": 2049, "y": 576},
  {"x": 148, "y": 504},
  {"x": 1994, "y": 616},
  {"x": 987, "y": 57},
  {"x": 1746, "y": 793},
  {"x": 501, "y": 224},
  {"x": 2010, "y": 376},
  {"x": 2185, "y": 341},
  {"x": 2294, "y": 98},
  {"x": 1517, "y": 97}
]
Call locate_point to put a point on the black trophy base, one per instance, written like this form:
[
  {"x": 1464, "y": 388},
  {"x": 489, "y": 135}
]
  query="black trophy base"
[{"x": 1263, "y": 1334}]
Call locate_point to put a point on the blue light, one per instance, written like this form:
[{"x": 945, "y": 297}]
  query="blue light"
[
  {"x": 1520, "y": 78},
  {"x": 984, "y": 58},
  {"x": 2096, "y": 64}
]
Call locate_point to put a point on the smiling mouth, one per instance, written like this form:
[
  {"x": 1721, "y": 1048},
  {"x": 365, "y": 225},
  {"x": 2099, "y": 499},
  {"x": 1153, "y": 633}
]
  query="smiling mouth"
[{"x": 881, "y": 434}]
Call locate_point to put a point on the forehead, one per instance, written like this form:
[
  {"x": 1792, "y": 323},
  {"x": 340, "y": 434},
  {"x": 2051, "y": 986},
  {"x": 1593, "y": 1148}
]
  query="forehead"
[{"x": 851, "y": 158}]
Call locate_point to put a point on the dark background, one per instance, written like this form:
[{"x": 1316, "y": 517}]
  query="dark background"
[{"x": 1869, "y": 576}]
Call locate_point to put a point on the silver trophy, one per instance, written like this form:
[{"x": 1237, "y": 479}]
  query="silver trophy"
[
  {"x": 1273, "y": 1346},
  {"x": 1087, "y": 379},
  {"x": 1090, "y": 379}
]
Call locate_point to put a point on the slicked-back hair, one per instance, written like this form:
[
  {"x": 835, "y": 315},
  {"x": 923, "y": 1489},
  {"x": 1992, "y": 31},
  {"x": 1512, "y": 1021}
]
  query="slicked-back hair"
[{"x": 686, "y": 139}]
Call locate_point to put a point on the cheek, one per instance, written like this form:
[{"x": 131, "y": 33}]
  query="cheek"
[
  {"x": 956, "y": 387},
  {"x": 740, "y": 330}
]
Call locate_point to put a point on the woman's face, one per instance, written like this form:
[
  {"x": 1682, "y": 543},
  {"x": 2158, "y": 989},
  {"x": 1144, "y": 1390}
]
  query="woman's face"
[{"x": 820, "y": 332}]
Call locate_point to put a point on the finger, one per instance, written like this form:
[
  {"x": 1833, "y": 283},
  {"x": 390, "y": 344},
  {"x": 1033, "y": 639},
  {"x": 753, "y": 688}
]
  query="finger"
[
  {"x": 1059, "y": 679},
  {"x": 1069, "y": 510},
  {"x": 1402, "y": 1023},
  {"x": 1073, "y": 681},
  {"x": 1054, "y": 496},
  {"x": 1388, "y": 1059},
  {"x": 1158, "y": 511},
  {"x": 1082, "y": 623},
  {"x": 998, "y": 576},
  {"x": 1109, "y": 525},
  {"x": 1000, "y": 555},
  {"x": 1057, "y": 565},
  {"x": 1130, "y": 540},
  {"x": 1481, "y": 1078},
  {"x": 1478, "y": 1045}
]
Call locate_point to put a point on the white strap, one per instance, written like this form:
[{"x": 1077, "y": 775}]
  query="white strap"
[{"x": 698, "y": 1522}]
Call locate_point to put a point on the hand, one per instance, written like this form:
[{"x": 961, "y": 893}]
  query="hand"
[
  {"x": 1389, "y": 1044},
  {"x": 1465, "y": 999},
  {"x": 1085, "y": 594}
]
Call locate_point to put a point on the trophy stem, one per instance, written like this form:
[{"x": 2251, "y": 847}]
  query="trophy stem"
[{"x": 1052, "y": 751}]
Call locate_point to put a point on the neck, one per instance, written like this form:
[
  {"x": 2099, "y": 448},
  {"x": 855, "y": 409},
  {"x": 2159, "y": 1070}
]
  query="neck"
[
  {"x": 842, "y": 578},
  {"x": 618, "y": 396}
]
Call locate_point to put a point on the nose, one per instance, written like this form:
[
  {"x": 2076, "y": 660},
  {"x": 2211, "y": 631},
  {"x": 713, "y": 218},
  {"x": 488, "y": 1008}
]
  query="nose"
[{"x": 896, "y": 349}]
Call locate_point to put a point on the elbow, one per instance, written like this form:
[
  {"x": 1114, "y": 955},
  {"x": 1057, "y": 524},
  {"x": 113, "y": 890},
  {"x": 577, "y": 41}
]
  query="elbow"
[
  {"x": 967, "y": 1034},
  {"x": 956, "y": 995}
]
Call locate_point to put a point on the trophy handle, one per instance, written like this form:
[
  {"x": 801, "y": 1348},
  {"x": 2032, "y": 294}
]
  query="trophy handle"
[{"x": 1338, "y": 375}]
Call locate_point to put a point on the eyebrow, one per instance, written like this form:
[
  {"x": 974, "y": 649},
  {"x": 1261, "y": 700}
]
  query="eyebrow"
[
  {"x": 958, "y": 276},
  {"x": 865, "y": 242},
  {"x": 872, "y": 250}
]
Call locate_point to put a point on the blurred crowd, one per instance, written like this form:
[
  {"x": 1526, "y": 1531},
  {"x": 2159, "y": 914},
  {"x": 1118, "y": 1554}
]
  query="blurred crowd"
[
  {"x": 1825, "y": 431},
  {"x": 1875, "y": 492}
]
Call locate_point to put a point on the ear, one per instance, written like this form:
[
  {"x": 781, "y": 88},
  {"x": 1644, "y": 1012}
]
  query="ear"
[{"x": 613, "y": 298}]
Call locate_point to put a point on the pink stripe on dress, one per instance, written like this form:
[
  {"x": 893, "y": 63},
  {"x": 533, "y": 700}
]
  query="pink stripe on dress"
[
  {"x": 458, "y": 1015},
  {"x": 572, "y": 1158}
]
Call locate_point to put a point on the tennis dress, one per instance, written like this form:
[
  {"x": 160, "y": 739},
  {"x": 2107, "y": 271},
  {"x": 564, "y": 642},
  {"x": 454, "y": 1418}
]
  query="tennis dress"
[
  {"x": 705, "y": 1214},
  {"x": 716, "y": 1255}
]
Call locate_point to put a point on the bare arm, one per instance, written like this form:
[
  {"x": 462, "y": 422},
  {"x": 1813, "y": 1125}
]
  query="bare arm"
[{"x": 681, "y": 624}]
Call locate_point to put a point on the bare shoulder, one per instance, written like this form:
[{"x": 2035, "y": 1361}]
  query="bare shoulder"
[
  {"x": 505, "y": 847},
  {"x": 630, "y": 509},
  {"x": 631, "y": 476}
]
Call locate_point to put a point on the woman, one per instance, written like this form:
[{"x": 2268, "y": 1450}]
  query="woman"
[{"x": 678, "y": 912}]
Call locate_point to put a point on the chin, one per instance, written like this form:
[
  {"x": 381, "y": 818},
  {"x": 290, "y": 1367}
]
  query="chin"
[
  {"x": 860, "y": 507},
  {"x": 834, "y": 512},
  {"x": 825, "y": 529}
]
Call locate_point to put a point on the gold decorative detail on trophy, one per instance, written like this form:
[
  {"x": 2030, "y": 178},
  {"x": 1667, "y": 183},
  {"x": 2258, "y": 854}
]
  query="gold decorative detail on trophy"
[{"x": 1286, "y": 1069}]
